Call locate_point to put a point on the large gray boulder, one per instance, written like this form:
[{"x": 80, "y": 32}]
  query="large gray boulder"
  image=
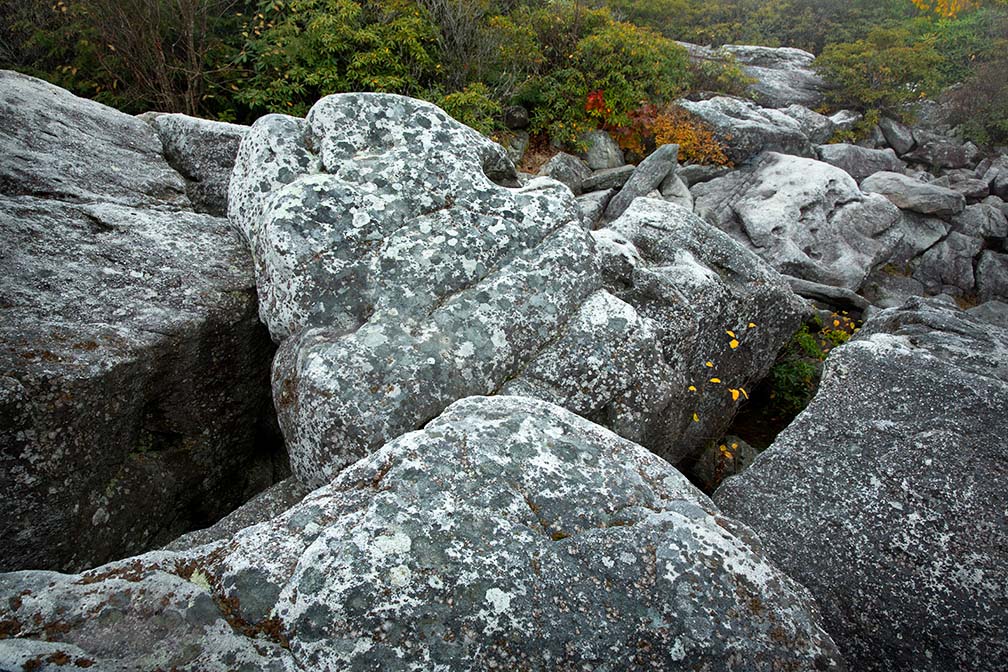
[
  {"x": 507, "y": 534},
  {"x": 723, "y": 314},
  {"x": 746, "y": 129},
  {"x": 886, "y": 496},
  {"x": 996, "y": 176},
  {"x": 783, "y": 75},
  {"x": 938, "y": 152},
  {"x": 806, "y": 218},
  {"x": 817, "y": 127},
  {"x": 982, "y": 220},
  {"x": 910, "y": 194},
  {"x": 132, "y": 364},
  {"x": 859, "y": 162},
  {"x": 947, "y": 267},
  {"x": 400, "y": 278},
  {"x": 203, "y": 152},
  {"x": 897, "y": 135}
]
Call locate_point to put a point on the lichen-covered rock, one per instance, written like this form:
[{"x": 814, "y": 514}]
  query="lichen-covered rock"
[
  {"x": 203, "y": 152},
  {"x": 592, "y": 205},
  {"x": 746, "y": 129},
  {"x": 938, "y": 152},
  {"x": 132, "y": 406},
  {"x": 508, "y": 534},
  {"x": 403, "y": 279},
  {"x": 723, "y": 315},
  {"x": 56, "y": 145},
  {"x": 908, "y": 193},
  {"x": 982, "y": 220},
  {"x": 886, "y": 496},
  {"x": 651, "y": 172},
  {"x": 897, "y": 135},
  {"x": 859, "y": 162},
  {"x": 674, "y": 190},
  {"x": 806, "y": 218},
  {"x": 996, "y": 176}
]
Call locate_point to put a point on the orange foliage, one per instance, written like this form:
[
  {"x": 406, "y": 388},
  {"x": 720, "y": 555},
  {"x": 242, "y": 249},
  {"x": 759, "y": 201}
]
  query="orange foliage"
[{"x": 696, "y": 140}]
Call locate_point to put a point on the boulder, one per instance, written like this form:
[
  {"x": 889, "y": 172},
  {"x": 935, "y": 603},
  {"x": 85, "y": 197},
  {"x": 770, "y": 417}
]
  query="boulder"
[
  {"x": 745, "y": 129},
  {"x": 948, "y": 266},
  {"x": 203, "y": 152},
  {"x": 817, "y": 127},
  {"x": 886, "y": 496},
  {"x": 846, "y": 120},
  {"x": 835, "y": 298},
  {"x": 723, "y": 315},
  {"x": 783, "y": 75},
  {"x": 910, "y": 194},
  {"x": 608, "y": 178},
  {"x": 859, "y": 162},
  {"x": 568, "y": 169},
  {"x": 651, "y": 172},
  {"x": 982, "y": 221},
  {"x": 695, "y": 173},
  {"x": 995, "y": 312},
  {"x": 400, "y": 278},
  {"x": 918, "y": 233},
  {"x": 507, "y": 534},
  {"x": 992, "y": 276},
  {"x": 602, "y": 152},
  {"x": 899, "y": 137},
  {"x": 516, "y": 118},
  {"x": 973, "y": 189},
  {"x": 806, "y": 218},
  {"x": 133, "y": 366},
  {"x": 996, "y": 176},
  {"x": 592, "y": 205},
  {"x": 938, "y": 152},
  {"x": 891, "y": 286},
  {"x": 516, "y": 144},
  {"x": 674, "y": 190}
]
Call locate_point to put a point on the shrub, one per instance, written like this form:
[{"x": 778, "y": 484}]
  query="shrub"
[
  {"x": 474, "y": 107},
  {"x": 884, "y": 71},
  {"x": 696, "y": 140}
]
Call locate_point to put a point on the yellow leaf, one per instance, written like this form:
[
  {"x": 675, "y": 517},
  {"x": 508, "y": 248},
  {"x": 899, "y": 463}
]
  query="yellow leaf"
[
  {"x": 733, "y": 344},
  {"x": 742, "y": 390},
  {"x": 715, "y": 380},
  {"x": 709, "y": 365},
  {"x": 734, "y": 394},
  {"x": 730, "y": 333},
  {"x": 692, "y": 388},
  {"x": 696, "y": 418},
  {"x": 752, "y": 325}
]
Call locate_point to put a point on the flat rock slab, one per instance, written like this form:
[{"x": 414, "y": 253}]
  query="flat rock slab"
[
  {"x": 508, "y": 534},
  {"x": 910, "y": 194},
  {"x": 886, "y": 496},
  {"x": 133, "y": 367}
]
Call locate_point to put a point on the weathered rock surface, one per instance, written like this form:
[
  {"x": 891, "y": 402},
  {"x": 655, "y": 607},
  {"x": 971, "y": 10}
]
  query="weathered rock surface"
[
  {"x": 938, "y": 152},
  {"x": 859, "y": 162},
  {"x": 910, "y": 194},
  {"x": 992, "y": 276},
  {"x": 603, "y": 152},
  {"x": 651, "y": 172},
  {"x": 568, "y": 169},
  {"x": 996, "y": 176},
  {"x": 783, "y": 75},
  {"x": 674, "y": 190},
  {"x": 608, "y": 178},
  {"x": 133, "y": 366},
  {"x": 886, "y": 496},
  {"x": 806, "y": 218},
  {"x": 982, "y": 221},
  {"x": 508, "y": 534},
  {"x": 722, "y": 314},
  {"x": 746, "y": 129},
  {"x": 948, "y": 266},
  {"x": 592, "y": 205},
  {"x": 203, "y": 152},
  {"x": 897, "y": 135},
  {"x": 817, "y": 127}
]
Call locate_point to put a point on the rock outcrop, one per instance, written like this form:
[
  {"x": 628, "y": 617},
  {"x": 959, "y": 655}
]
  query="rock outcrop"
[
  {"x": 910, "y": 194},
  {"x": 508, "y": 534},
  {"x": 746, "y": 129},
  {"x": 886, "y": 496},
  {"x": 806, "y": 218},
  {"x": 133, "y": 366}
]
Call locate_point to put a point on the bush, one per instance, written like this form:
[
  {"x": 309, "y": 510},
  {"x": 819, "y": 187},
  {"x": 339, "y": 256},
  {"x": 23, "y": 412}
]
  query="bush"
[
  {"x": 884, "y": 71},
  {"x": 474, "y": 107},
  {"x": 696, "y": 140}
]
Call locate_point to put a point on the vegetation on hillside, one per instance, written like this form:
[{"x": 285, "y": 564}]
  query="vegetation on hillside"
[{"x": 575, "y": 65}]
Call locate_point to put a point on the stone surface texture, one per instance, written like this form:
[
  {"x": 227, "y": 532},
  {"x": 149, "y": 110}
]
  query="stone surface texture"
[{"x": 886, "y": 496}]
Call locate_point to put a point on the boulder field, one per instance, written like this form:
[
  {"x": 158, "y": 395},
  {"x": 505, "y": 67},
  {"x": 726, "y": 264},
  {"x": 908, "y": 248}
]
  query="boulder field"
[{"x": 349, "y": 391}]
